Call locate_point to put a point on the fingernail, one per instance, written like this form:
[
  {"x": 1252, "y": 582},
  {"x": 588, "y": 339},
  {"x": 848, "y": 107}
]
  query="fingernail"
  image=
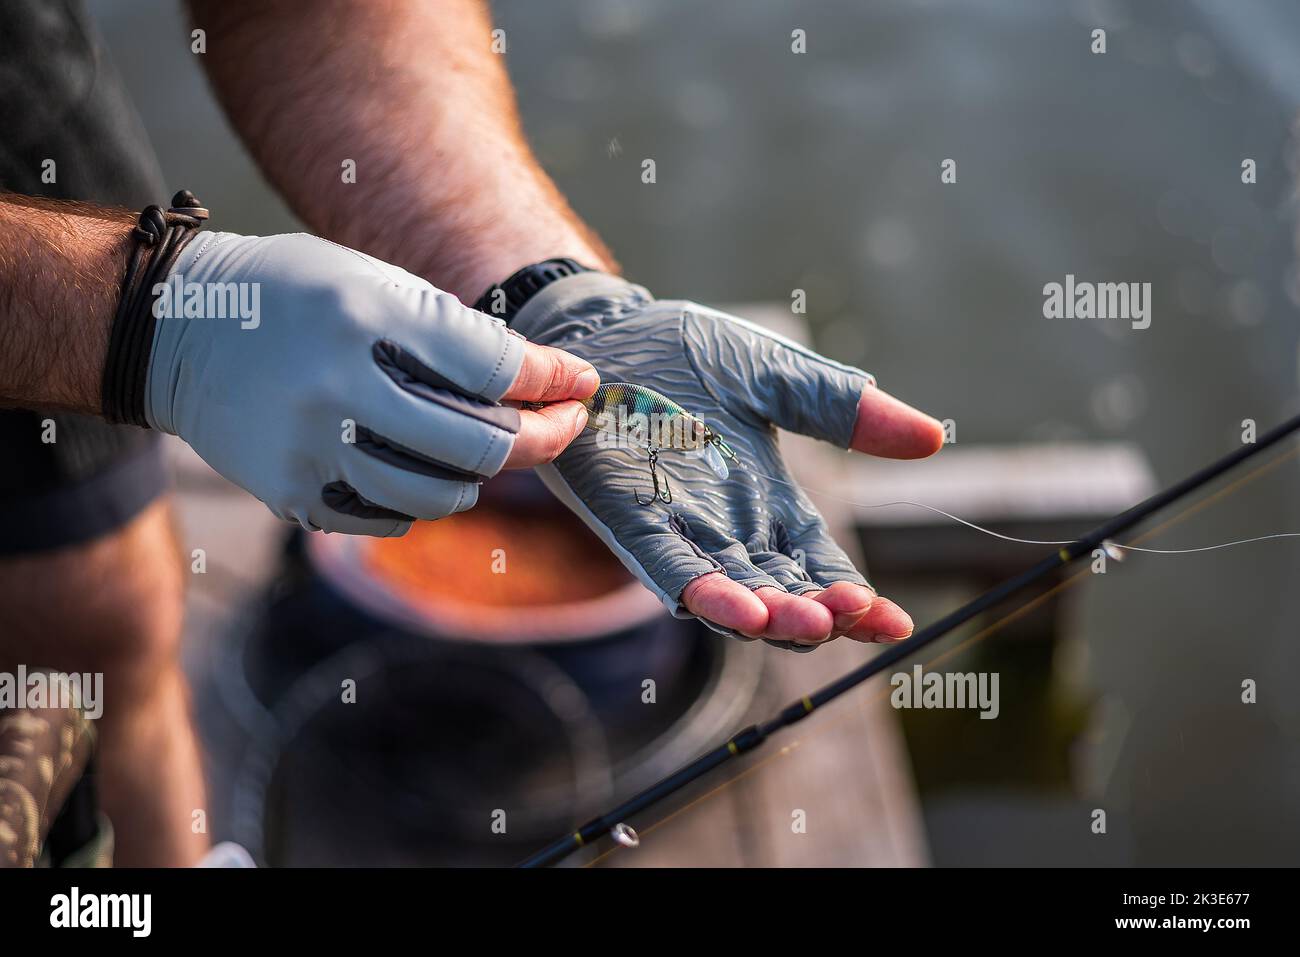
[
  {"x": 586, "y": 383},
  {"x": 580, "y": 419},
  {"x": 847, "y": 619},
  {"x": 889, "y": 639}
]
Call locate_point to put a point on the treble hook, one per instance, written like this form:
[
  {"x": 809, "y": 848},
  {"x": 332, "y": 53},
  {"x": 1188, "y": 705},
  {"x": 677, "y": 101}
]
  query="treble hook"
[{"x": 661, "y": 492}]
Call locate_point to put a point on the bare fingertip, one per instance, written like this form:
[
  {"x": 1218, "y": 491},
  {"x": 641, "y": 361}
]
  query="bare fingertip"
[{"x": 586, "y": 383}]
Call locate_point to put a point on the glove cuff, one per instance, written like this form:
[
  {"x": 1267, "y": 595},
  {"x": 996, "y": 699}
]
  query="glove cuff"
[{"x": 539, "y": 315}]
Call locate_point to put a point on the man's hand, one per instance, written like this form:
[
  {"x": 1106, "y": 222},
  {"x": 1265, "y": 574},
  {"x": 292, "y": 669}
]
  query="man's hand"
[
  {"x": 447, "y": 187},
  {"x": 749, "y": 554},
  {"x": 358, "y": 397}
]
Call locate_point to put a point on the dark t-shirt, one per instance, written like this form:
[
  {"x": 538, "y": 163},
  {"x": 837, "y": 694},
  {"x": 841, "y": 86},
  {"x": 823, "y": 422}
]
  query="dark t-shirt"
[{"x": 61, "y": 100}]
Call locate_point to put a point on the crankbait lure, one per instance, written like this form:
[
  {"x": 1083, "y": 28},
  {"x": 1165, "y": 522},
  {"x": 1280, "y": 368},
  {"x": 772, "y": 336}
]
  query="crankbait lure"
[{"x": 643, "y": 418}]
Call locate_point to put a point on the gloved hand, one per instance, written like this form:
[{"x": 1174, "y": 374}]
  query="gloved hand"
[
  {"x": 355, "y": 396},
  {"x": 748, "y": 554}
]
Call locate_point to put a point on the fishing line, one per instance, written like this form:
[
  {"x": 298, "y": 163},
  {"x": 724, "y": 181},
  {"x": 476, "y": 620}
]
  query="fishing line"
[
  {"x": 1012, "y": 538},
  {"x": 1206, "y": 548},
  {"x": 687, "y": 432}
]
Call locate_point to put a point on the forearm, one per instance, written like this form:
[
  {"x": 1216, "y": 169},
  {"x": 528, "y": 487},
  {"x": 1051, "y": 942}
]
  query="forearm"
[
  {"x": 61, "y": 267},
  {"x": 446, "y": 185}
]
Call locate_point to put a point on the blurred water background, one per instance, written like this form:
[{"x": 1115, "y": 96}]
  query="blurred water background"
[{"x": 821, "y": 171}]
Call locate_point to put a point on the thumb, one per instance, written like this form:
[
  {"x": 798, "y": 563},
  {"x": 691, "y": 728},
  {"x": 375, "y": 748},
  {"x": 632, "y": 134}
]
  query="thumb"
[{"x": 552, "y": 375}]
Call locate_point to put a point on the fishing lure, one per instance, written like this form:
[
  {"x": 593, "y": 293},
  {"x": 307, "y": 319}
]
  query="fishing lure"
[{"x": 641, "y": 417}]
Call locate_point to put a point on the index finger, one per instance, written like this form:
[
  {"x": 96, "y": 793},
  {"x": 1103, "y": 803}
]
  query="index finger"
[{"x": 552, "y": 375}]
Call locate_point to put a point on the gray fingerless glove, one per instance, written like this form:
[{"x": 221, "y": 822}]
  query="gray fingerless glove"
[
  {"x": 345, "y": 393},
  {"x": 756, "y": 525}
]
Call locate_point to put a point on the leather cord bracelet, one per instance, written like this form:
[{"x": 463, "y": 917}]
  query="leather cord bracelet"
[{"x": 159, "y": 238}]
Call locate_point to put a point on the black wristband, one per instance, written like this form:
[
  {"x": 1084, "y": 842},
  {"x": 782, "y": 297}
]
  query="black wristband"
[
  {"x": 159, "y": 238},
  {"x": 504, "y": 299}
]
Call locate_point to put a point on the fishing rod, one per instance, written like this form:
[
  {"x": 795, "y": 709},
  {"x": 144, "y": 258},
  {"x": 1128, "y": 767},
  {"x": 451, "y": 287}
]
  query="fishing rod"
[{"x": 613, "y": 821}]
